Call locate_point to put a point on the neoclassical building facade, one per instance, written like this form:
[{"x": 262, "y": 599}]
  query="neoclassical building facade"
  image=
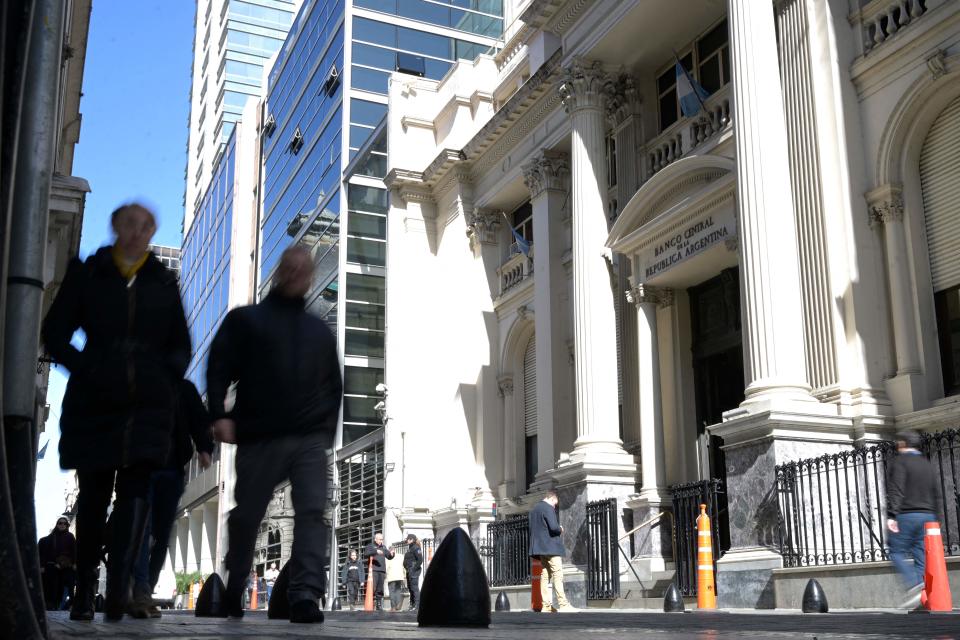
[{"x": 593, "y": 291}]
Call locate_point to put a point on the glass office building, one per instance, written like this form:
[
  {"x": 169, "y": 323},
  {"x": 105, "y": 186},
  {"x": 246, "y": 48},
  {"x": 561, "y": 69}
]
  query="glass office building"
[{"x": 325, "y": 100}]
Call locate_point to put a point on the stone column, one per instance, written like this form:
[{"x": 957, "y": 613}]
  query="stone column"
[
  {"x": 886, "y": 210},
  {"x": 769, "y": 271},
  {"x": 653, "y": 473},
  {"x": 546, "y": 178},
  {"x": 595, "y": 366},
  {"x": 508, "y": 488}
]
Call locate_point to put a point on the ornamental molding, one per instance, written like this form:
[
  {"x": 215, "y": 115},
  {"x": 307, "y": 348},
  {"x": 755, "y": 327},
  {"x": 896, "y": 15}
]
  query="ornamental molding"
[
  {"x": 583, "y": 85},
  {"x": 548, "y": 171},
  {"x": 525, "y": 312},
  {"x": 884, "y": 205},
  {"x": 416, "y": 194},
  {"x": 732, "y": 243},
  {"x": 483, "y": 225},
  {"x": 937, "y": 63},
  {"x": 645, "y": 294},
  {"x": 505, "y": 385},
  {"x": 623, "y": 99}
]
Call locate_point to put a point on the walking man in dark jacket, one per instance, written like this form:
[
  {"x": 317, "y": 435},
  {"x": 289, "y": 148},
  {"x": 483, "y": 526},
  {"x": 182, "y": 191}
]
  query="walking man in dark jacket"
[
  {"x": 191, "y": 429},
  {"x": 546, "y": 544},
  {"x": 380, "y": 555},
  {"x": 413, "y": 563},
  {"x": 912, "y": 498},
  {"x": 285, "y": 365}
]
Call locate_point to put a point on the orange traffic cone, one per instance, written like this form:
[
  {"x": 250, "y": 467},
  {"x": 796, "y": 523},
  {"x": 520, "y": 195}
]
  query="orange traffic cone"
[
  {"x": 368, "y": 592},
  {"x": 536, "y": 571},
  {"x": 706, "y": 591},
  {"x": 253, "y": 595},
  {"x": 936, "y": 592}
]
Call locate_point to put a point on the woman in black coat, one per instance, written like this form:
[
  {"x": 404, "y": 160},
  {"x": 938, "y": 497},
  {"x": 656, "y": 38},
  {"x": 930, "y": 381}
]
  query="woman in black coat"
[{"x": 117, "y": 417}]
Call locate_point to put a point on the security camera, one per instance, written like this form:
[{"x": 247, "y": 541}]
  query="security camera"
[{"x": 382, "y": 389}]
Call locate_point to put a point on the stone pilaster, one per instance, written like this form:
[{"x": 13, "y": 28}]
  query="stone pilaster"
[
  {"x": 886, "y": 212},
  {"x": 508, "y": 484},
  {"x": 546, "y": 178}
]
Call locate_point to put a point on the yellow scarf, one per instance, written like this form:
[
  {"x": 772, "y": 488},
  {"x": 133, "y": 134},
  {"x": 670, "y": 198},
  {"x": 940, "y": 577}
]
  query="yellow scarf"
[{"x": 125, "y": 269}]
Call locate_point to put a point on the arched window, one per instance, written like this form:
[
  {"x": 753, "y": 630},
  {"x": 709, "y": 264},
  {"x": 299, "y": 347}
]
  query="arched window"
[
  {"x": 940, "y": 180},
  {"x": 530, "y": 410}
]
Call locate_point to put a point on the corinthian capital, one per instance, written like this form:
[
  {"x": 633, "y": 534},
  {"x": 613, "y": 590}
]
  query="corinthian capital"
[
  {"x": 583, "y": 85},
  {"x": 885, "y": 205},
  {"x": 623, "y": 99},
  {"x": 482, "y": 225},
  {"x": 548, "y": 171},
  {"x": 645, "y": 294}
]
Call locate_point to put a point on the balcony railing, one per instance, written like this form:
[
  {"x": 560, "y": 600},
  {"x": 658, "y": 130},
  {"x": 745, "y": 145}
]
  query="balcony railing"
[
  {"x": 882, "y": 19},
  {"x": 515, "y": 270},
  {"x": 689, "y": 133}
]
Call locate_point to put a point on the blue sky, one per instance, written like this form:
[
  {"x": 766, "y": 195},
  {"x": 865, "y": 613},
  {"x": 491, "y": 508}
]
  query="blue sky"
[{"x": 136, "y": 90}]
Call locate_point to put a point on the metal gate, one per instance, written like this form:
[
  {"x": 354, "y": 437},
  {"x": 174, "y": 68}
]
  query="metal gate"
[
  {"x": 687, "y": 499},
  {"x": 603, "y": 561}
]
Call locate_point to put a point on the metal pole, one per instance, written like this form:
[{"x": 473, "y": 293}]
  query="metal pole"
[{"x": 24, "y": 278}]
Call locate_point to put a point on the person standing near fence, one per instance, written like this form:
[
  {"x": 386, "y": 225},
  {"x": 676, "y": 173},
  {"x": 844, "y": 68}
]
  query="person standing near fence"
[
  {"x": 413, "y": 563},
  {"x": 352, "y": 575},
  {"x": 913, "y": 496},
  {"x": 546, "y": 544}
]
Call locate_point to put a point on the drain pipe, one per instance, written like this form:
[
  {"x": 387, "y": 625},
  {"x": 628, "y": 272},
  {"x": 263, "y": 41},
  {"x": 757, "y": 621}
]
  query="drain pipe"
[{"x": 28, "y": 237}]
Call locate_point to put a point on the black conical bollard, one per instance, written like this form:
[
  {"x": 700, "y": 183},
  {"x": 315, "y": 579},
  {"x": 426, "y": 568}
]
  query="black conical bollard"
[
  {"x": 455, "y": 592},
  {"x": 336, "y": 605},
  {"x": 503, "y": 602},
  {"x": 673, "y": 600},
  {"x": 210, "y": 602},
  {"x": 279, "y": 606},
  {"x": 814, "y": 599},
  {"x": 98, "y": 602}
]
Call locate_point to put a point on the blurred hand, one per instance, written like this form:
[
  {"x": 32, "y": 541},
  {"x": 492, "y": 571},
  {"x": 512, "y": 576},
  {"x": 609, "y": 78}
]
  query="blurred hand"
[
  {"x": 205, "y": 460},
  {"x": 225, "y": 430},
  {"x": 893, "y": 526}
]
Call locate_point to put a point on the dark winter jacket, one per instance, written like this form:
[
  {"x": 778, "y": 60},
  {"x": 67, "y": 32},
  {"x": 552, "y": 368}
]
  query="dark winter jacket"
[
  {"x": 58, "y": 548},
  {"x": 545, "y": 531},
  {"x": 379, "y": 560},
  {"x": 191, "y": 427},
  {"x": 413, "y": 560},
  {"x": 284, "y": 361},
  {"x": 912, "y": 485},
  {"x": 119, "y": 403},
  {"x": 352, "y": 571}
]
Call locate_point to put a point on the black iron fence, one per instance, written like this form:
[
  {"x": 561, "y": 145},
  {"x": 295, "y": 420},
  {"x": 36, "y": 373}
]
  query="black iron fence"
[
  {"x": 505, "y": 553},
  {"x": 687, "y": 499},
  {"x": 603, "y": 559},
  {"x": 832, "y": 508}
]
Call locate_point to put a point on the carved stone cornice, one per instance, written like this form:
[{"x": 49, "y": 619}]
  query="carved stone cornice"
[
  {"x": 645, "y": 294},
  {"x": 623, "y": 99},
  {"x": 548, "y": 171},
  {"x": 885, "y": 205},
  {"x": 418, "y": 194},
  {"x": 505, "y": 385},
  {"x": 483, "y": 225},
  {"x": 582, "y": 85}
]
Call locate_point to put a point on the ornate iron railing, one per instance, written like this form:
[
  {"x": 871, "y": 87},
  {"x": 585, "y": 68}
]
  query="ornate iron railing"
[
  {"x": 687, "y": 499},
  {"x": 832, "y": 508},
  {"x": 506, "y": 552},
  {"x": 603, "y": 560}
]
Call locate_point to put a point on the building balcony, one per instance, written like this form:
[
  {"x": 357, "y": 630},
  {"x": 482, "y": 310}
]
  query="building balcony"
[{"x": 515, "y": 270}]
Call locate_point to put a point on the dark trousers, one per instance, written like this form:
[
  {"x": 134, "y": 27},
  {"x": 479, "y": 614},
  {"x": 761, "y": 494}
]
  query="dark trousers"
[
  {"x": 166, "y": 487},
  {"x": 413, "y": 586},
  {"x": 57, "y": 586},
  {"x": 378, "y": 579},
  {"x": 353, "y": 588},
  {"x": 261, "y": 466},
  {"x": 94, "y": 489}
]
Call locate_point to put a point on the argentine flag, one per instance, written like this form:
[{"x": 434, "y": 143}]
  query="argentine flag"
[
  {"x": 521, "y": 242},
  {"x": 690, "y": 93}
]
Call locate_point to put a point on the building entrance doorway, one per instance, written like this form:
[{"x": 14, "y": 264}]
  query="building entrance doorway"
[{"x": 717, "y": 372}]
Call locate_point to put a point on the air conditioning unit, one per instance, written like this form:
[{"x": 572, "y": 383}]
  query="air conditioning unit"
[
  {"x": 333, "y": 80},
  {"x": 411, "y": 64},
  {"x": 269, "y": 125},
  {"x": 297, "y": 141}
]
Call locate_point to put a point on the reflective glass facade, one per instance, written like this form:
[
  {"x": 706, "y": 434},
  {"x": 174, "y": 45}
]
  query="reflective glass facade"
[
  {"x": 326, "y": 156},
  {"x": 205, "y": 264}
]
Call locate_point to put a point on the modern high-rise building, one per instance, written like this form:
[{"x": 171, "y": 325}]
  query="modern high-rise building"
[
  {"x": 233, "y": 43},
  {"x": 168, "y": 256}
]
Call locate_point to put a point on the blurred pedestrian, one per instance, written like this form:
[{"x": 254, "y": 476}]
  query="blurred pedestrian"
[
  {"x": 270, "y": 577},
  {"x": 191, "y": 430},
  {"x": 285, "y": 365},
  {"x": 396, "y": 576},
  {"x": 546, "y": 544},
  {"x": 352, "y": 576},
  {"x": 380, "y": 555},
  {"x": 913, "y": 496},
  {"x": 58, "y": 558},
  {"x": 413, "y": 563},
  {"x": 117, "y": 415}
]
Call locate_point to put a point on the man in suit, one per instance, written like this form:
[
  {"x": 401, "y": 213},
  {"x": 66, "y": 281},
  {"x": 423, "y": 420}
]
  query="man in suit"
[{"x": 546, "y": 544}]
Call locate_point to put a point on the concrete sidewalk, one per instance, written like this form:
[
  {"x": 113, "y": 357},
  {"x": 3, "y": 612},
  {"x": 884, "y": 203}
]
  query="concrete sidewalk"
[{"x": 533, "y": 626}]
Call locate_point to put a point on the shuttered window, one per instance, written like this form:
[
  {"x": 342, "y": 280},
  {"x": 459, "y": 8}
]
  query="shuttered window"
[
  {"x": 940, "y": 178},
  {"x": 530, "y": 389}
]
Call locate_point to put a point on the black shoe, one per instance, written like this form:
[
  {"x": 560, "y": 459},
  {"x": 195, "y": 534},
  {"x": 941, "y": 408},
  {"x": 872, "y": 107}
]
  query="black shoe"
[
  {"x": 233, "y": 603},
  {"x": 82, "y": 606},
  {"x": 305, "y": 611}
]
